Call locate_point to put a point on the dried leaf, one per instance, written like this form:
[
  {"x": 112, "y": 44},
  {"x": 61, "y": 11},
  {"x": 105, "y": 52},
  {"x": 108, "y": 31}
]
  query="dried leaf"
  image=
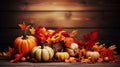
[
  {"x": 112, "y": 47},
  {"x": 23, "y": 26},
  {"x": 73, "y": 33},
  {"x": 90, "y": 39},
  {"x": 32, "y": 30}
]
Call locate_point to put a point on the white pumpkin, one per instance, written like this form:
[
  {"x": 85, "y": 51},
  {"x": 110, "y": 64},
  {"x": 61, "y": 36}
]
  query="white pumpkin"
[
  {"x": 73, "y": 49},
  {"x": 74, "y": 46},
  {"x": 93, "y": 54},
  {"x": 42, "y": 54}
]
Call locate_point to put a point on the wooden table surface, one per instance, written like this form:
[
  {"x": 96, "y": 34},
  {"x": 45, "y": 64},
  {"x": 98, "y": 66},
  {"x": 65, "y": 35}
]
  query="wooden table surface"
[{"x": 6, "y": 63}]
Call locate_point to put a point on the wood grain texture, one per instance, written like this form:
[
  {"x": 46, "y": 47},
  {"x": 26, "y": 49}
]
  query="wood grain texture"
[
  {"x": 84, "y": 15},
  {"x": 59, "y": 4},
  {"x": 54, "y": 64},
  {"x": 62, "y": 19}
]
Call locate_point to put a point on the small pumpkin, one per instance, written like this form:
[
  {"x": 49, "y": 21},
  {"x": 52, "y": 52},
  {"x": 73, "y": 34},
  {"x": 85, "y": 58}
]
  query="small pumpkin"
[
  {"x": 24, "y": 44},
  {"x": 42, "y": 53},
  {"x": 73, "y": 49},
  {"x": 72, "y": 52},
  {"x": 93, "y": 54},
  {"x": 62, "y": 56},
  {"x": 73, "y": 46}
]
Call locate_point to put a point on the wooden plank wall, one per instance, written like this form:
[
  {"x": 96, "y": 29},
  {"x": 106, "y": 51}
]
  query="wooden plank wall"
[{"x": 84, "y": 15}]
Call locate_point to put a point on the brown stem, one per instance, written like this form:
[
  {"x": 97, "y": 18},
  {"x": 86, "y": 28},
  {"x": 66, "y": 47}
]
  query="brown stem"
[
  {"x": 42, "y": 46},
  {"x": 24, "y": 35},
  {"x": 25, "y": 32}
]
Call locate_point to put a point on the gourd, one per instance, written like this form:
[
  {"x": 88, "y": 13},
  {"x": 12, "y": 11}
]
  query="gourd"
[
  {"x": 42, "y": 53},
  {"x": 24, "y": 45},
  {"x": 93, "y": 54},
  {"x": 62, "y": 56}
]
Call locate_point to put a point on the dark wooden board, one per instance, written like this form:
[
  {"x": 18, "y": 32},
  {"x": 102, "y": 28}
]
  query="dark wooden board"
[
  {"x": 4, "y": 63},
  {"x": 42, "y": 4}
]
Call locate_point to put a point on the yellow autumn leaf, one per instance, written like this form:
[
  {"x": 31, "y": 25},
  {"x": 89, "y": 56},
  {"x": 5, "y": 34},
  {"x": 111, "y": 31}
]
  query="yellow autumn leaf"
[
  {"x": 4, "y": 54},
  {"x": 73, "y": 33},
  {"x": 112, "y": 47},
  {"x": 32, "y": 30}
]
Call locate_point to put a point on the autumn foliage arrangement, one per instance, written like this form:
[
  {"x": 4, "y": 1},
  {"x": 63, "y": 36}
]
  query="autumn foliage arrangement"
[{"x": 48, "y": 45}]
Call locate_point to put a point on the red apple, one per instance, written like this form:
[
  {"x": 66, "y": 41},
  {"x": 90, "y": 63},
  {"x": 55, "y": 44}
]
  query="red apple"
[{"x": 28, "y": 58}]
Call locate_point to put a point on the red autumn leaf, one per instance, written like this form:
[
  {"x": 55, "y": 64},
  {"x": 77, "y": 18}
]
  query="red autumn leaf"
[
  {"x": 40, "y": 33},
  {"x": 59, "y": 28},
  {"x": 94, "y": 34},
  {"x": 90, "y": 39},
  {"x": 91, "y": 36},
  {"x": 23, "y": 26},
  {"x": 89, "y": 44},
  {"x": 80, "y": 43},
  {"x": 77, "y": 41}
]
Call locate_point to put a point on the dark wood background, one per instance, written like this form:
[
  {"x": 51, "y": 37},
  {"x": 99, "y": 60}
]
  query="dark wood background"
[{"x": 84, "y": 15}]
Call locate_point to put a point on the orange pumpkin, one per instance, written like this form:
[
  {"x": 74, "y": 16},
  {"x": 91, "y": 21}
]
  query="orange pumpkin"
[{"x": 24, "y": 45}]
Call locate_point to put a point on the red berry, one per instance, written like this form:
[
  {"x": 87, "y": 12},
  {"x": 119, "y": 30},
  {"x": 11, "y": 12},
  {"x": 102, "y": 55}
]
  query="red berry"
[
  {"x": 28, "y": 58},
  {"x": 23, "y": 59}
]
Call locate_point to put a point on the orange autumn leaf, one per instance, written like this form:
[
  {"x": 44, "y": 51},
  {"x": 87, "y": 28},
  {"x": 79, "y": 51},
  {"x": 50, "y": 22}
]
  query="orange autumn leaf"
[
  {"x": 9, "y": 53},
  {"x": 49, "y": 40},
  {"x": 22, "y": 26},
  {"x": 73, "y": 33}
]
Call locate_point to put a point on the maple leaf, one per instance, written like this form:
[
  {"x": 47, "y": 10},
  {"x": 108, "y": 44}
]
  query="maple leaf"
[
  {"x": 90, "y": 39},
  {"x": 91, "y": 36},
  {"x": 32, "y": 30},
  {"x": 23, "y": 26},
  {"x": 73, "y": 33}
]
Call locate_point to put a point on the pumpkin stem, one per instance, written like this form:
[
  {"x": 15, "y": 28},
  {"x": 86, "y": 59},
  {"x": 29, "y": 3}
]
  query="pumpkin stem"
[
  {"x": 42, "y": 45},
  {"x": 92, "y": 50},
  {"x": 25, "y": 32}
]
